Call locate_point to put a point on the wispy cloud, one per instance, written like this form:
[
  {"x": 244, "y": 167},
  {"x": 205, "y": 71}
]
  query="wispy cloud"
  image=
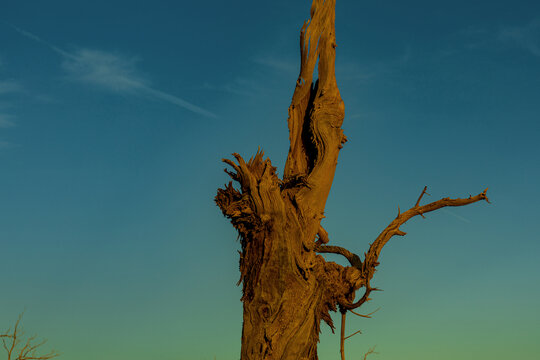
[
  {"x": 346, "y": 69},
  {"x": 5, "y": 144},
  {"x": 112, "y": 72},
  {"x": 355, "y": 71},
  {"x": 277, "y": 64},
  {"x": 239, "y": 86},
  {"x": 103, "y": 69},
  {"x": 527, "y": 37},
  {"x": 6, "y": 121},
  {"x": 10, "y": 87}
]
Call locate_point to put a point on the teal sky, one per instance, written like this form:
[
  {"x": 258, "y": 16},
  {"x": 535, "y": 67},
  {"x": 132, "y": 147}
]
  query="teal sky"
[{"x": 114, "y": 116}]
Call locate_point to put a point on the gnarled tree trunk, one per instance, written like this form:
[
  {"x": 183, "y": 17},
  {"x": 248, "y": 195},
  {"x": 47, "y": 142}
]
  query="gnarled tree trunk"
[{"x": 288, "y": 288}]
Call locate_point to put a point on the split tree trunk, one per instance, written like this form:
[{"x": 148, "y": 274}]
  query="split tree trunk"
[{"x": 288, "y": 288}]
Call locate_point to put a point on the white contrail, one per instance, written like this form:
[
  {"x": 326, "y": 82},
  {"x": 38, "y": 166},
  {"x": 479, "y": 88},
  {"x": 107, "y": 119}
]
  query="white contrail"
[
  {"x": 137, "y": 85},
  {"x": 39, "y": 40},
  {"x": 180, "y": 102},
  {"x": 456, "y": 215}
]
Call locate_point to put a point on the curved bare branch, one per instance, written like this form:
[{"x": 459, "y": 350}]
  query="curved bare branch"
[
  {"x": 367, "y": 268},
  {"x": 353, "y": 259},
  {"x": 365, "y": 315},
  {"x": 371, "y": 260}
]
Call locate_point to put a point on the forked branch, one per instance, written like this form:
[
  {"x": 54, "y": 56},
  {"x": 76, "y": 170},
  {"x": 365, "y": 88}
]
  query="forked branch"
[
  {"x": 369, "y": 352},
  {"x": 371, "y": 257},
  {"x": 11, "y": 340},
  {"x": 393, "y": 228}
]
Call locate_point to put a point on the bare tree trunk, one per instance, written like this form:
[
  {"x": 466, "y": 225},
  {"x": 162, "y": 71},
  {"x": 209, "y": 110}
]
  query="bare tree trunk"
[{"x": 288, "y": 288}]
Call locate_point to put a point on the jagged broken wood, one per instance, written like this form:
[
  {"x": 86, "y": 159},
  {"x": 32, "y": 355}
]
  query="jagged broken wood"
[{"x": 288, "y": 287}]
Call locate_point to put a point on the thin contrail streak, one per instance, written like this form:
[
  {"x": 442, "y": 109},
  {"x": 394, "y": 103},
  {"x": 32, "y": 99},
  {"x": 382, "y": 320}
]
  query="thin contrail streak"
[
  {"x": 154, "y": 92},
  {"x": 456, "y": 215},
  {"x": 180, "y": 102},
  {"x": 41, "y": 41}
]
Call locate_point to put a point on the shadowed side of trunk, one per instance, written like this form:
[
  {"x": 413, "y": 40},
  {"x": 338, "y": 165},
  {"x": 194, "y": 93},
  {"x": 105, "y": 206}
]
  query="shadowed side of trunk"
[
  {"x": 285, "y": 283},
  {"x": 288, "y": 288}
]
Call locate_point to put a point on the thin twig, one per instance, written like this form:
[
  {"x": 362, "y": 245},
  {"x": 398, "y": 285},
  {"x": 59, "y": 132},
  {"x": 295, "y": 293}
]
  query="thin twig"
[
  {"x": 358, "y": 332},
  {"x": 26, "y": 352},
  {"x": 365, "y": 316},
  {"x": 420, "y": 197},
  {"x": 370, "y": 351}
]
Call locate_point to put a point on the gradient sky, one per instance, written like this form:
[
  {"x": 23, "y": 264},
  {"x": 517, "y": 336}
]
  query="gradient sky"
[{"x": 114, "y": 116}]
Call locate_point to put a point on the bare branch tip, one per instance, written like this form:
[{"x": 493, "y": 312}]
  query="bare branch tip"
[
  {"x": 238, "y": 158},
  {"x": 229, "y": 162},
  {"x": 484, "y": 195},
  {"x": 420, "y": 197},
  {"x": 358, "y": 332}
]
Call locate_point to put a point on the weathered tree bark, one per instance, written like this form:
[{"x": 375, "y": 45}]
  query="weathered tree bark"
[{"x": 288, "y": 288}]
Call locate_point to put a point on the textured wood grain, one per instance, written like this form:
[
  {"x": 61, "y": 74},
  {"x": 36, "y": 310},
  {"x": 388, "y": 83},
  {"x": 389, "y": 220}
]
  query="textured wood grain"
[{"x": 288, "y": 288}]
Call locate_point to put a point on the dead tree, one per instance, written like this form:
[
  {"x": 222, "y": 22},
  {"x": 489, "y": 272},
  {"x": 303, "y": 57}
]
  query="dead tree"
[
  {"x": 18, "y": 347},
  {"x": 288, "y": 288}
]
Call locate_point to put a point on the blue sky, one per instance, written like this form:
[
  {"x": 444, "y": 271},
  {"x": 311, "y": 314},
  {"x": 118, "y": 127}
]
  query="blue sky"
[{"x": 114, "y": 116}]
